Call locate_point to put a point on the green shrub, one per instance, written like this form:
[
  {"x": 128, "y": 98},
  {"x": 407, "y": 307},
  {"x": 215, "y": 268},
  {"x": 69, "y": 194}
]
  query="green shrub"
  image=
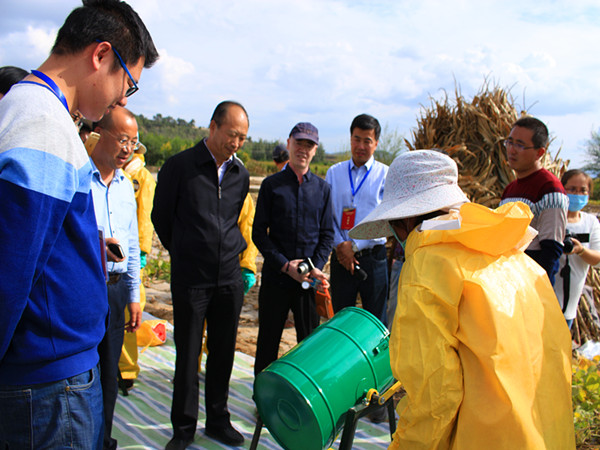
[
  {"x": 586, "y": 402},
  {"x": 158, "y": 268}
]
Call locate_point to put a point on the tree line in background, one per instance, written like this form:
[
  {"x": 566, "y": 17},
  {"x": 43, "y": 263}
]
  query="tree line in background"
[
  {"x": 166, "y": 136},
  {"x": 593, "y": 165}
]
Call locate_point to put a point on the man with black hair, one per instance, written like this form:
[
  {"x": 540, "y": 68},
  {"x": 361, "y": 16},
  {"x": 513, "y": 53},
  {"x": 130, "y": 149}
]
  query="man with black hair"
[
  {"x": 356, "y": 189},
  {"x": 281, "y": 156},
  {"x": 197, "y": 203},
  {"x": 53, "y": 291},
  {"x": 539, "y": 189},
  {"x": 10, "y": 75},
  {"x": 115, "y": 207}
]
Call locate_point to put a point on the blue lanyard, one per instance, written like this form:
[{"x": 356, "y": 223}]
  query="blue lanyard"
[
  {"x": 355, "y": 191},
  {"x": 51, "y": 86}
]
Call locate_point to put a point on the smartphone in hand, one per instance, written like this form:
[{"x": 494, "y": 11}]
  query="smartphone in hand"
[{"x": 116, "y": 249}]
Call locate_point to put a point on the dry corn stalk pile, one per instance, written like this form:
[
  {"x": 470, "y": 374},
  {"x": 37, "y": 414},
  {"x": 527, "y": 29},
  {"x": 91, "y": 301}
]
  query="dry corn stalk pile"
[{"x": 472, "y": 134}]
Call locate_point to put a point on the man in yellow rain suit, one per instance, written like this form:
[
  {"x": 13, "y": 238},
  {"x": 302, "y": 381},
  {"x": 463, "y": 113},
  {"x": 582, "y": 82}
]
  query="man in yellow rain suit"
[
  {"x": 478, "y": 339},
  {"x": 143, "y": 186}
]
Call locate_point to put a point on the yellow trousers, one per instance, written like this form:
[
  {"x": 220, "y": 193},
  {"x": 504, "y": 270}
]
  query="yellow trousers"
[{"x": 129, "y": 355}]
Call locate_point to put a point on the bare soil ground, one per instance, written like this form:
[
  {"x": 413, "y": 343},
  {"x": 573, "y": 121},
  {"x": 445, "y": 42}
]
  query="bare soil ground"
[{"x": 159, "y": 304}]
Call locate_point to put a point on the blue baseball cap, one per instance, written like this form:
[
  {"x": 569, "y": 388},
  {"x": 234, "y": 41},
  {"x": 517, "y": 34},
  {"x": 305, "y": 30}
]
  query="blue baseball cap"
[{"x": 305, "y": 130}]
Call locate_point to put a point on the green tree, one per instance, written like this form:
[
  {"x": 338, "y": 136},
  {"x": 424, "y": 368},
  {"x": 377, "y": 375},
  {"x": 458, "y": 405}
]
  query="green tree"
[
  {"x": 391, "y": 144},
  {"x": 593, "y": 151}
]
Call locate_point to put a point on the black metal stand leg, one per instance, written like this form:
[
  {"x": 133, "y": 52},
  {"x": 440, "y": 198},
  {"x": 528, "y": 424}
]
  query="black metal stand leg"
[
  {"x": 391, "y": 416},
  {"x": 352, "y": 417},
  {"x": 356, "y": 413},
  {"x": 256, "y": 435}
]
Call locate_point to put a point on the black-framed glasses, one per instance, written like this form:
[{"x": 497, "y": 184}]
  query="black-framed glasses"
[
  {"x": 125, "y": 142},
  {"x": 131, "y": 89},
  {"x": 515, "y": 145}
]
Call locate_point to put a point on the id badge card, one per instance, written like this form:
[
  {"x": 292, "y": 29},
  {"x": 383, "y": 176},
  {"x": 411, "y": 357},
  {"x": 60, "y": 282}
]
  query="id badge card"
[{"x": 348, "y": 216}]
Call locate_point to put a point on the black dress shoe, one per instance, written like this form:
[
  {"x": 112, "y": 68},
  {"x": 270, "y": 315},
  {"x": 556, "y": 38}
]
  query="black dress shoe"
[
  {"x": 227, "y": 435},
  {"x": 178, "y": 444}
]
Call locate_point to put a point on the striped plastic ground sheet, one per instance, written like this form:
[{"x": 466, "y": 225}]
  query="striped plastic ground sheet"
[{"x": 142, "y": 419}]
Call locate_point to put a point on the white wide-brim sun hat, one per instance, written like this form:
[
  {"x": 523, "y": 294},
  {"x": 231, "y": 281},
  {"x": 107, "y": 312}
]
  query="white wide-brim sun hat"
[{"x": 417, "y": 183}]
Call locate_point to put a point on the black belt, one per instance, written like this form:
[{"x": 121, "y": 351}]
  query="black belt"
[
  {"x": 113, "y": 278},
  {"x": 368, "y": 251}
]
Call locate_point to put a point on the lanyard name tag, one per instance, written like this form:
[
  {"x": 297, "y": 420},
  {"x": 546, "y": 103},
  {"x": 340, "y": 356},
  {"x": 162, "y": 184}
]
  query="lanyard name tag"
[{"x": 348, "y": 216}]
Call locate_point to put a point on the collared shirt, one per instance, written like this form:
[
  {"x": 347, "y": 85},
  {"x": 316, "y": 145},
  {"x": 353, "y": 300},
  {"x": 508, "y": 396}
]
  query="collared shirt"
[
  {"x": 366, "y": 197},
  {"x": 223, "y": 167},
  {"x": 292, "y": 221},
  {"x": 115, "y": 209}
]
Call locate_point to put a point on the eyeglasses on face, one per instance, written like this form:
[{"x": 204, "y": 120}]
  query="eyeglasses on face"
[
  {"x": 131, "y": 89},
  {"x": 125, "y": 142},
  {"x": 520, "y": 147}
]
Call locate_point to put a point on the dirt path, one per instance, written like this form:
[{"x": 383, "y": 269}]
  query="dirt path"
[{"x": 159, "y": 304}]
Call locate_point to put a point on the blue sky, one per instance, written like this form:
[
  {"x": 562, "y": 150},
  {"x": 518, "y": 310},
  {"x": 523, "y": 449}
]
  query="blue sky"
[{"x": 327, "y": 61}]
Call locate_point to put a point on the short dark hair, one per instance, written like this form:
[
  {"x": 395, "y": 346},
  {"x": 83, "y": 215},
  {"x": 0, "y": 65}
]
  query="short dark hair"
[
  {"x": 366, "y": 122},
  {"x": 10, "y": 75},
  {"x": 113, "y": 21},
  {"x": 573, "y": 172},
  {"x": 540, "y": 131},
  {"x": 221, "y": 111},
  {"x": 281, "y": 154}
]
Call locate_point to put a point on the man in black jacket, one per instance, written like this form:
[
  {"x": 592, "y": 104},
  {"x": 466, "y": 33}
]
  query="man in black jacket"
[
  {"x": 199, "y": 196},
  {"x": 293, "y": 221}
]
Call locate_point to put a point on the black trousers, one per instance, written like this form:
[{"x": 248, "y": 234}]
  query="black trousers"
[
  {"x": 274, "y": 303},
  {"x": 110, "y": 351},
  {"x": 221, "y": 307},
  {"x": 373, "y": 290}
]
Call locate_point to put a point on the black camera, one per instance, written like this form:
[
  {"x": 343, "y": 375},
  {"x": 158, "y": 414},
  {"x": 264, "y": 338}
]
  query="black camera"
[
  {"x": 568, "y": 242},
  {"x": 305, "y": 266},
  {"x": 359, "y": 273}
]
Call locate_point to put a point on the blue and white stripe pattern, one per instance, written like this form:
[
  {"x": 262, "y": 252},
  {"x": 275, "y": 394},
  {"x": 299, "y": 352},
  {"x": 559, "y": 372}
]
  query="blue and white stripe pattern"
[
  {"x": 556, "y": 200},
  {"x": 52, "y": 290}
]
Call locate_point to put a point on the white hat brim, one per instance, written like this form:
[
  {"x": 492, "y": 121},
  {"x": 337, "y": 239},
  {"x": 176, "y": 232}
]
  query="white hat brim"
[{"x": 376, "y": 224}]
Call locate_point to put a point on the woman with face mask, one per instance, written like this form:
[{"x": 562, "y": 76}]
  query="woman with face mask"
[{"x": 583, "y": 231}]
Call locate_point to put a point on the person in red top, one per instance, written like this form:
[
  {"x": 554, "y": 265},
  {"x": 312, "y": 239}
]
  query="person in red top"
[{"x": 539, "y": 189}]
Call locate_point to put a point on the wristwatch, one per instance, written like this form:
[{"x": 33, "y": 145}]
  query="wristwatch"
[{"x": 354, "y": 247}]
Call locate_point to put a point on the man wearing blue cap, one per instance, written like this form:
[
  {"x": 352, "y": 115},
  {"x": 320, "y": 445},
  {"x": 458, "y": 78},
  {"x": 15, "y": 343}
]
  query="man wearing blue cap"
[{"x": 293, "y": 222}]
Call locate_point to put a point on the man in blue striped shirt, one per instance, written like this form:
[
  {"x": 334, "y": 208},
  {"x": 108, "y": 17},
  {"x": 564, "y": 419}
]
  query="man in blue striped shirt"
[
  {"x": 52, "y": 289},
  {"x": 356, "y": 189}
]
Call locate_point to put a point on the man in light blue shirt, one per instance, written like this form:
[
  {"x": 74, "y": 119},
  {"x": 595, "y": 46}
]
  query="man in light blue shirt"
[
  {"x": 115, "y": 207},
  {"x": 356, "y": 189}
]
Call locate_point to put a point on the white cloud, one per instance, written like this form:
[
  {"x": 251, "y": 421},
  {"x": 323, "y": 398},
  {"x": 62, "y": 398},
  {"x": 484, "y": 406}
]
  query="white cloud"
[
  {"x": 31, "y": 46},
  {"x": 172, "y": 75},
  {"x": 328, "y": 60}
]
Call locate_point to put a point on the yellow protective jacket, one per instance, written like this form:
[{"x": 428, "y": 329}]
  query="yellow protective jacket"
[
  {"x": 479, "y": 340},
  {"x": 245, "y": 221},
  {"x": 143, "y": 186}
]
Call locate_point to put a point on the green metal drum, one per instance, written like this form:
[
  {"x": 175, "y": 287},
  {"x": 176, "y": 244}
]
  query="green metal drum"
[{"x": 302, "y": 397}]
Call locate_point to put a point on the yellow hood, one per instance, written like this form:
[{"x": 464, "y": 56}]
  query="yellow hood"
[{"x": 494, "y": 232}]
